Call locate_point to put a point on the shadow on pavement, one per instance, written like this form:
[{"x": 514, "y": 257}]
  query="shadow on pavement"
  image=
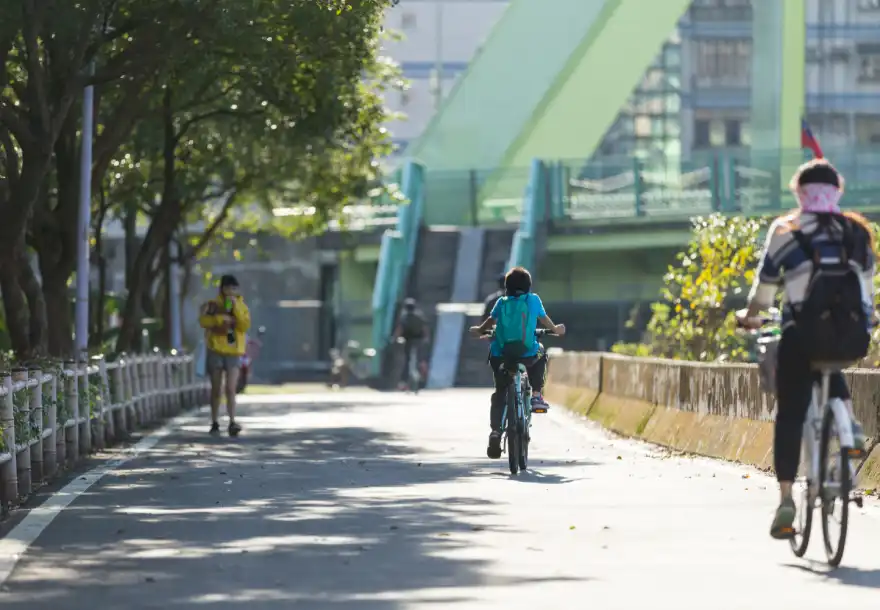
[
  {"x": 845, "y": 575},
  {"x": 315, "y": 517}
]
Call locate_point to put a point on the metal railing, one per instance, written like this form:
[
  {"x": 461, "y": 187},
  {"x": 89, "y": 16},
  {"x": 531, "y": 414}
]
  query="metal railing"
[{"x": 52, "y": 418}]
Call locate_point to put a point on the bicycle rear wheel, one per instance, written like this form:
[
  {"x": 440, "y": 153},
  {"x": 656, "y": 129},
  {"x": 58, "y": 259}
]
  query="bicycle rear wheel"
[
  {"x": 513, "y": 436},
  {"x": 834, "y": 488}
]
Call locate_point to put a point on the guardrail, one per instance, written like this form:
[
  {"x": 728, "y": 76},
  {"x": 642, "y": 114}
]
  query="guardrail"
[{"x": 52, "y": 418}]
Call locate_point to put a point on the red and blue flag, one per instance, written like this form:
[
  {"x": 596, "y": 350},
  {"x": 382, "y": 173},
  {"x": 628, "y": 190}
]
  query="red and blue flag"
[{"x": 808, "y": 140}]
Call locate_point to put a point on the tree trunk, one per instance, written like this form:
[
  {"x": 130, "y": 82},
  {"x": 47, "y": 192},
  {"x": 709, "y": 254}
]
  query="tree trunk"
[
  {"x": 38, "y": 324},
  {"x": 161, "y": 229},
  {"x": 16, "y": 308}
]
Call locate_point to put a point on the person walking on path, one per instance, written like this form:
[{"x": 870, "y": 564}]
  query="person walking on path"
[
  {"x": 489, "y": 302},
  {"x": 226, "y": 320}
]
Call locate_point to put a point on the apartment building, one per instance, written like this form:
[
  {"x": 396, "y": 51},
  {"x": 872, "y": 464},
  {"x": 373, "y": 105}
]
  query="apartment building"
[{"x": 697, "y": 95}]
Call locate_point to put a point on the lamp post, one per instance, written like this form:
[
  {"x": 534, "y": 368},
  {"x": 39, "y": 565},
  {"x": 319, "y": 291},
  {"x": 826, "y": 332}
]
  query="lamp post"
[{"x": 84, "y": 219}]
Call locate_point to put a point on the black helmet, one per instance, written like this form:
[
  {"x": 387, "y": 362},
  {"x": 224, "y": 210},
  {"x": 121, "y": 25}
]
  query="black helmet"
[{"x": 409, "y": 304}]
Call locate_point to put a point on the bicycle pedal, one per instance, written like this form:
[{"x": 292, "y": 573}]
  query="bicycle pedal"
[
  {"x": 855, "y": 453},
  {"x": 858, "y": 501},
  {"x": 539, "y": 410}
]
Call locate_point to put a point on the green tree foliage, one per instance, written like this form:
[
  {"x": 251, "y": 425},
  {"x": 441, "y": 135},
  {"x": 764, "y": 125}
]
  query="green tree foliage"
[
  {"x": 209, "y": 110},
  {"x": 694, "y": 320}
]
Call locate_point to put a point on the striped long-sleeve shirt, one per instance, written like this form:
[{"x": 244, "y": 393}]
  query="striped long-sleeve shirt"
[{"x": 785, "y": 264}]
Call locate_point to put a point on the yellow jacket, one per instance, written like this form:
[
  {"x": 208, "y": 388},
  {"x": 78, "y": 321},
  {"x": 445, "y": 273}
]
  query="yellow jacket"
[{"x": 213, "y": 320}]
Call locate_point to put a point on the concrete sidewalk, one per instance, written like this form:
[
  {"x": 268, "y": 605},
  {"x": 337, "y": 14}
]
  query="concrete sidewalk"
[{"x": 367, "y": 501}]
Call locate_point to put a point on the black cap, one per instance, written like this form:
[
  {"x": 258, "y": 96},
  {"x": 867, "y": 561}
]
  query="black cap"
[{"x": 228, "y": 280}]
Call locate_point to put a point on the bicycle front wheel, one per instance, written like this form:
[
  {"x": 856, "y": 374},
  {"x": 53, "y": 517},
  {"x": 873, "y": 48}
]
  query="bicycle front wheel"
[
  {"x": 524, "y": 437},
  {"x": 513, "y": 433},
  {"x": 834, "y": 489}
]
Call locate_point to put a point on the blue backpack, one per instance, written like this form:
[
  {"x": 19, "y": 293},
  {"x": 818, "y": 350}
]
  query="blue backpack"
[{"x": 512, "y": 332}]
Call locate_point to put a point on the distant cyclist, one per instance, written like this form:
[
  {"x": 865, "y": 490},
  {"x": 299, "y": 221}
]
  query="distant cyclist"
[
  {"x": 516, "y": 314},
  {"x": 490, "y": 301},
  {"x": 799, "y": 247},
  {"x": 413, "y": 329}
]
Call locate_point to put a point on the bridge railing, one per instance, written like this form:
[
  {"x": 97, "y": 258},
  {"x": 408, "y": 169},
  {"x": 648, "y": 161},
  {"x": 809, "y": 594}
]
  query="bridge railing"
[{"x": 53, "y": 416}]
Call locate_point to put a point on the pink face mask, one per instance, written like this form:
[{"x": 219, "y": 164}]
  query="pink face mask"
[{"x": 819, "y": 198}]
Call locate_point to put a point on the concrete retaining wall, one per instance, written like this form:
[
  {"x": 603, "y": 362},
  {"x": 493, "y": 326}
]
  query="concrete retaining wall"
[{"x": 709, "y": 409}]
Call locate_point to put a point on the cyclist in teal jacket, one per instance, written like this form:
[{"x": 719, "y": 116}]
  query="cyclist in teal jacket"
[{"x": 518, "y": 285}]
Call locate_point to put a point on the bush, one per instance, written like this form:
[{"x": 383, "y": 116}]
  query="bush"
[{"x": 694, "y": 318}]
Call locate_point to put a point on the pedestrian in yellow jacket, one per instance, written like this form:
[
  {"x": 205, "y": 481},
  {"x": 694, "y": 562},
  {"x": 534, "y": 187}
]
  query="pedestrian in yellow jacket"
[{"x": 226, "y": 320}]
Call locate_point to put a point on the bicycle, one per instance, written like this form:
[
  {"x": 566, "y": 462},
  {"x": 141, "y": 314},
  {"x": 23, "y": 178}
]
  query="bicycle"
[
  {"x": 830, "y": 475},
  {"x": 413, "y": 377},
  {"x": 516, "y": 422}
]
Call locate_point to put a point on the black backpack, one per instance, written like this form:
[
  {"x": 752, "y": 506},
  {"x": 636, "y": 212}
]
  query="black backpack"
[
  {"x": 412, "y": 325},
  {"x": 831, "y": 320}
]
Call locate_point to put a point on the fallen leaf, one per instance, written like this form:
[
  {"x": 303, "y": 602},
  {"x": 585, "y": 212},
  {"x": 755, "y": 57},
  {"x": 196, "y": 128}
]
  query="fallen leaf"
[{"x": 571, "y": 527}]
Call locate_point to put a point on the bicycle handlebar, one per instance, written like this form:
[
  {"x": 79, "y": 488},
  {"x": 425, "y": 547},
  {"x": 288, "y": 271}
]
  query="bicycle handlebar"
[
  {"x": 773, "y": 317},
  {"x": 539, "y": 332}
]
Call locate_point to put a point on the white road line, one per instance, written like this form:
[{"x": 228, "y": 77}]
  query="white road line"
[{"x": 14, "y": 545}]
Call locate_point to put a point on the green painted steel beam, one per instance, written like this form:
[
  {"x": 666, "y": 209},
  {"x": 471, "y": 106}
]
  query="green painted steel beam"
[
  {"x": 587, "y": 95},
  {"x": 492, "y": 102},
  {"x": 778, "y": 91},
  {"x": 614, "y": 242}
]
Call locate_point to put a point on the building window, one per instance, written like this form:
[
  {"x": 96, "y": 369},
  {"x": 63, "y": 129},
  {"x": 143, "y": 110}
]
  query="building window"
[
  {"x": 405, "y": 99},
  {"x": 869, "y": 63},
  {"x": 701, "y": 134},
  {"x": 869, "y": 5},
  {"x": 724, "y": 63},
  {"x": 733, "y": 133},
  {"x": 408, "y": 21}
]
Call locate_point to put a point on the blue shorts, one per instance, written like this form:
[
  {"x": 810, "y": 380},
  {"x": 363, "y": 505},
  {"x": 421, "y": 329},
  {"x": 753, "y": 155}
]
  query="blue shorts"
[{"x": 221, "y": 362}]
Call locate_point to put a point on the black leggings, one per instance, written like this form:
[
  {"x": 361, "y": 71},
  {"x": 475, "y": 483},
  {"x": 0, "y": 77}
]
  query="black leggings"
[
  {"x": 794, "y": 391},
  {"x": 537, "y": 371}
]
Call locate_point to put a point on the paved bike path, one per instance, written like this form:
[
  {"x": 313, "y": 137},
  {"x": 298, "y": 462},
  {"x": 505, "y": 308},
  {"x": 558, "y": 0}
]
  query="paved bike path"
[{"x": 361, "y": 501}]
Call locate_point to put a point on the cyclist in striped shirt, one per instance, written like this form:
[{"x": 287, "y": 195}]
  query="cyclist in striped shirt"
[{"x": 784, "y": 264}]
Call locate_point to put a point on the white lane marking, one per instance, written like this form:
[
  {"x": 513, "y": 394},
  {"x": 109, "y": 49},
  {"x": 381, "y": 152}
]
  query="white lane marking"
[{"x": 14, "y": 545}]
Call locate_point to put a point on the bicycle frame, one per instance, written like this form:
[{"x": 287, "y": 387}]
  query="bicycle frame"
[{"x": 813, "y": 429}]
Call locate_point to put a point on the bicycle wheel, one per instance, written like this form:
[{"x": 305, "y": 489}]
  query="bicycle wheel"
[
  {"x": 804, "y": 519},
  {"x": 512, "y": 431},
  {"x": 834, "y": 489},
  {"x": 524, "y": 436}
]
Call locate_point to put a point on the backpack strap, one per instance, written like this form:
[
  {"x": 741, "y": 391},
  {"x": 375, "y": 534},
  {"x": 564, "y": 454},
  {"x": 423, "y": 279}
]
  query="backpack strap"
[{"x": 806, "y": 246}]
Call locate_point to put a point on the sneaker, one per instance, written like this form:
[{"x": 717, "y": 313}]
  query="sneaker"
[
  {"x": 539, "y": 405},
  {"x": 234, "y": 429},
  {"x": 494, "y": 449},
  {"x": 783, "y": 522},
  {"x": 215, "y": 428},
  {"x": 859, "y": 439}
]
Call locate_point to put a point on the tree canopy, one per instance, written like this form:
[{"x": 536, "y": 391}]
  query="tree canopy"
[{"x": 212, "y": 110}]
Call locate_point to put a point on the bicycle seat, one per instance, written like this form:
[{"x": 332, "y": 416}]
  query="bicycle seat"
[{"x": 513, "y": 365}]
